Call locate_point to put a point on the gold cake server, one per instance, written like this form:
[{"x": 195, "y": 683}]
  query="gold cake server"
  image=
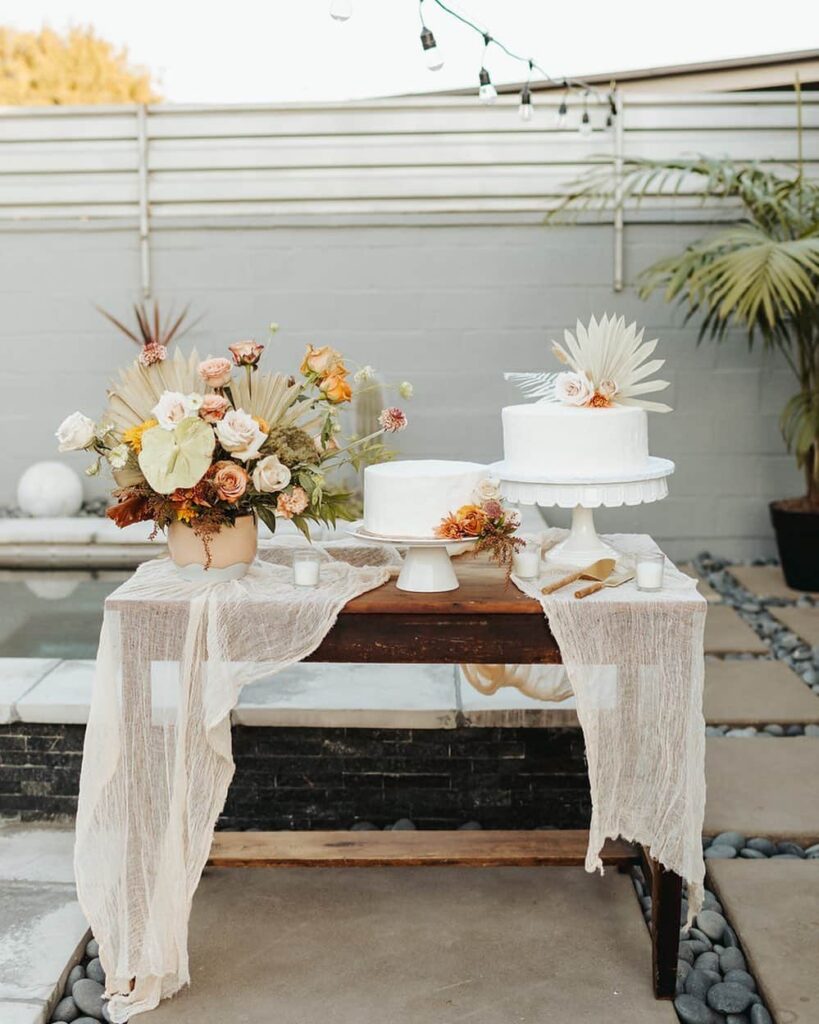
[
  {"x": 616, "y": 581},
  {"x": 599, "y": 571}
]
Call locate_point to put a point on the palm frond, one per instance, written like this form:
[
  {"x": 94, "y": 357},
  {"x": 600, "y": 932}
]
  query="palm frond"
[
  {"x": 138, "y": 388},
  {"x": 534, "y": 385}
]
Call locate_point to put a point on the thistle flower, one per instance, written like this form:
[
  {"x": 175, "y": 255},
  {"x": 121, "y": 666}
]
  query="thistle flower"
[
  {"x": 392, "y": 420},
  {"x": 152, "y": 353}
]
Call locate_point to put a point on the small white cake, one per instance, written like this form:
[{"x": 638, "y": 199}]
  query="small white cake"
[
  {"x": 410, "y": 498},
  {"x": 563, "y": 441}
]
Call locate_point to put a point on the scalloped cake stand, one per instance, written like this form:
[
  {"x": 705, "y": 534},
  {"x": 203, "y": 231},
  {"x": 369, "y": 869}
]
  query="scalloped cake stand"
[
  {"x": 426, "y": 568},
  {"x": 584, "y": 494}
]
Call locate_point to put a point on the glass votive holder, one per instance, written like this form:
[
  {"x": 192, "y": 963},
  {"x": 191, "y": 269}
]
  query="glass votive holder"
[
  {"x": 650, "y": 571},
  {"x": 306, "y": 568},
  {"x": 526, "y": 561}
]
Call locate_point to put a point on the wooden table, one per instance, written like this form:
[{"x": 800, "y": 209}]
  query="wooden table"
[{"x": 484, "y": 622}]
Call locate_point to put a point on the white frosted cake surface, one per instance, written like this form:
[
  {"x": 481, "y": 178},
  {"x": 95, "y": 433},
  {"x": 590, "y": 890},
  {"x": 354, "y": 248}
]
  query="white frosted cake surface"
[
  {"x": 411, "y": 497},
  {"x": 551, "y": 440}
]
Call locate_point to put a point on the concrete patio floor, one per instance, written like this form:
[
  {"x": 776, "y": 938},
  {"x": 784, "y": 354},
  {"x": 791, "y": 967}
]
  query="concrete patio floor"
[{"x": 416, "y": 946}]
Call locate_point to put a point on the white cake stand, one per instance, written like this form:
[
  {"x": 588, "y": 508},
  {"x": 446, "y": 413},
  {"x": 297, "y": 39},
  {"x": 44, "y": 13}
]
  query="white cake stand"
[
  {"x": 426, "y": 568},
  {"x": 583, "y": 494}
]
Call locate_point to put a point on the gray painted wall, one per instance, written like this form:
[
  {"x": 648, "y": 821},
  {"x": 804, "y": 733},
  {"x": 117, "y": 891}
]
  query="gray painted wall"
[{"x": 449, "y": 307}]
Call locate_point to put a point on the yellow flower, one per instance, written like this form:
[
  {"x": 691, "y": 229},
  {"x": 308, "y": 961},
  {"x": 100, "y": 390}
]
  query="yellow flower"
[
  {"x": 133, "y": 435},
  {"x": 263, "y": 424},
  {"x": 186, "y": 513}
]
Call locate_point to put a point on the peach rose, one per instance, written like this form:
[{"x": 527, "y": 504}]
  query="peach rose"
[
  {"x": 336, "y": 388},
  {"x": 215, "y": 371},
  {"x": 471, "y": 519},
  {"x": 229, "y": 480},
  {"x": 246, "y": 353},
  {"x": 324, "y": 361},
  {"x": 292, "y": 504},
  {"x": 214, "y": 408}
]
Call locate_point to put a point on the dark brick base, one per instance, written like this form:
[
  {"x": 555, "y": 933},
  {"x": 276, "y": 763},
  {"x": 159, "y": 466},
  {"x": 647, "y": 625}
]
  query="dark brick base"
[{"x": 330, "y": 778}]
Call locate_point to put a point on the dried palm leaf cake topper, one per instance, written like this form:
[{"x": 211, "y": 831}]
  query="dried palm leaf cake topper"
[{"x": 609, "y": 366}]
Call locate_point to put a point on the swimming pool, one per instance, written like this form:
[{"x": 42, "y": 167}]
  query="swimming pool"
[{"x": 54, "y": 614}]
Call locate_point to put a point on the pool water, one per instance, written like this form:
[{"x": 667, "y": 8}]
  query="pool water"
[{"x": 53, "y": 614}]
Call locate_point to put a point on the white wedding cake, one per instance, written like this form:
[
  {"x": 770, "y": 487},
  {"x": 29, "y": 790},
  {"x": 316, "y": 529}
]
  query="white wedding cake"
[
  {"x": 590, "y": 421},
  {"x": 410, "y": 498}
]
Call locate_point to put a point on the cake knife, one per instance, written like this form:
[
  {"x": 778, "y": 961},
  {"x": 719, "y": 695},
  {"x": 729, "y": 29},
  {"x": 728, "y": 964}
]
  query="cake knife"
[{"x": 618, "y": 581}]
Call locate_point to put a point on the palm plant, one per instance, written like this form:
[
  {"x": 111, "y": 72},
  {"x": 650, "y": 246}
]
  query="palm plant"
[{"x": 761, "y": 273}]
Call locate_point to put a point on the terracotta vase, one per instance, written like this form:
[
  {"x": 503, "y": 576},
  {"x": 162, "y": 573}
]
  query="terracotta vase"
[{"x": 232, "y": 550}]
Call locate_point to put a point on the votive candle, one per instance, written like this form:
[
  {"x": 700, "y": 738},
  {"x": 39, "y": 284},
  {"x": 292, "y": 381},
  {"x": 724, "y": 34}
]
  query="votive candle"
[
  {"x": 306, "y": 569},
  {"x": 650, "y": 571},
  {"x": 526, "y": 561}
]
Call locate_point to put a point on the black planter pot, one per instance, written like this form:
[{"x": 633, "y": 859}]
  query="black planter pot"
[{"x": 797, "y": 537}]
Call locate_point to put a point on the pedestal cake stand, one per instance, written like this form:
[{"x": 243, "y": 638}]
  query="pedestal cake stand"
[
  {"x": 584, "y": 494},
  {"x": 426, "y": 568}
]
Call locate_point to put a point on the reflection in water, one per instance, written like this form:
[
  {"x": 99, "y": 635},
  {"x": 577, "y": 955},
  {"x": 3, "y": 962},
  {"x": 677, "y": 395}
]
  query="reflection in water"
[{"x": 53, "y": 614}]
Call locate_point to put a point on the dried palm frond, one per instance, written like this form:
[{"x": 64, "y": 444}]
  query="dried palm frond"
[
  {"x": 132, "y": 397},
  {"x": 613, "y": 358},
  {"x": 273, "y": 397},
  {"x": 534, "y": 385}
]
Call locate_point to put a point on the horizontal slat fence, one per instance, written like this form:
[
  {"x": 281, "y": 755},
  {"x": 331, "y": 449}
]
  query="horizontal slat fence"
[{"x": 392, "y": 157}]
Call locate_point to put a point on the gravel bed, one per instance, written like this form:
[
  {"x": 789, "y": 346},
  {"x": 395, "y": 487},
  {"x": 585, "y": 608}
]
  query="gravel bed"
[{"x": 94, "y": 509}]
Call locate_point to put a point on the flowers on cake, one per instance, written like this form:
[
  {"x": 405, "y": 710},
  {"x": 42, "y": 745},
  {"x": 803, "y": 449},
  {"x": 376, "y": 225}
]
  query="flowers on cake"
[
  {"x": 487, "y": 522},
  {"x": 206, "y": 441},
  {"x": 609, "y": 365}
]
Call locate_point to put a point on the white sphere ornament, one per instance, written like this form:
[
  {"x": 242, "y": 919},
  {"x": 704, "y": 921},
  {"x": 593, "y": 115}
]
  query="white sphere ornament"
[{"x": 49, "y": 489}]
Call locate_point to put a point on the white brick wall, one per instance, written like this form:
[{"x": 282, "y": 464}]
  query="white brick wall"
[{"x": 449, "y": 307}]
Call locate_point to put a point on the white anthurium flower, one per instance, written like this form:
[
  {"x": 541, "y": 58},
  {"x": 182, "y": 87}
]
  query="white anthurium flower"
[
  {"x": 270, "y": 475},
  {"x": 573, "y": 388},
  {"x": 75, "y": 433},
  {"x": 118, "y": 456},
  {"x": 240, "y": 435},
  {"x": 173, "y": 407},
  {"x": 176, "y": 458}
]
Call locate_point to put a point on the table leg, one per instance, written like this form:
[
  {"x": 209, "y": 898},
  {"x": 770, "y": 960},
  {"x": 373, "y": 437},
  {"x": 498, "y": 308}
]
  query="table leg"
[{"x": 666, "y": 901}]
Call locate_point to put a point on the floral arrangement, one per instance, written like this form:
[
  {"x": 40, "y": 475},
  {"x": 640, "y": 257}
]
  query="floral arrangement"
[
  {"x": 205, "y": 442},
  {"x": 487, "y": 522},
  {"x": 609, "y": 367}
]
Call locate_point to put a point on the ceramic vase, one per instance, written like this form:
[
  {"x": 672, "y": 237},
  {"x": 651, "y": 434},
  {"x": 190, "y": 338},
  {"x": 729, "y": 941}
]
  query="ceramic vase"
[{"x": 232, "y": 550}]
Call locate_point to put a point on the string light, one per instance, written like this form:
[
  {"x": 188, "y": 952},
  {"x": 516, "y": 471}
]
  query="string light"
[
  {"x": 585, "y": 120},
  {"x": 432, "y": 55},
  {"x": 487, "y": 93},
  {"x": 562, "y": 112},
  {"x": 341, "y": 10},
  {"x": 525, "y": 107}
]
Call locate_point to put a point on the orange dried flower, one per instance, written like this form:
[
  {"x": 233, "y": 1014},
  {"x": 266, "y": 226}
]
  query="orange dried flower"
[
  {"x": 599, "y": 401},
  {"x": 449, "y": 529},
  {"x": 472, "y": 519}
]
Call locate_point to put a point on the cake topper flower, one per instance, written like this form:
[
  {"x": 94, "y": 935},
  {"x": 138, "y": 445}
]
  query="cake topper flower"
[{"x": 608, "y": 365}]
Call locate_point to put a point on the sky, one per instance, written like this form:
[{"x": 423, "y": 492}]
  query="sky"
[{"x": 244, "y": 51}]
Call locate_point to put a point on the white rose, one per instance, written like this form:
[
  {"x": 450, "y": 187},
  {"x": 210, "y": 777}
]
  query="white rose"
[
  {"x": 573, "y": 389},
  {"x": 75, "y": 433},
  {"x": 488, "y": 489},
  {"x": 271, "y": 475},
  {"x": 240, "y": 435},
  {"x": 173, "y": 407}
]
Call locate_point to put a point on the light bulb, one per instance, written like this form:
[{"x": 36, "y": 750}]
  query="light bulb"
[
  {"x": 561, "y": 115},
  {"x": 487, "y": 93},
  {"x": 585, "y": 125},
  {"x": 341, "y": 10},
  {"x": 608, "y": 126},
  {"x": 432, "y": 55},
  {"x": 525, "y": 109}
]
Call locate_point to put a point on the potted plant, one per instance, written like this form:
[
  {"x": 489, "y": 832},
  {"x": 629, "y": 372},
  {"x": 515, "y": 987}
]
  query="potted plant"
[
  {"x": 205, "y": 448},
  {"x": 760, "y": 273}
]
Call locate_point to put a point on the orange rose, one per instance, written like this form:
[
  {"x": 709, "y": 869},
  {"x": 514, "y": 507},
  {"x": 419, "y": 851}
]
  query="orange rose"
[
  {"x": 324, "y": 362},
  {"x": 336, "y": 388},
  {"x": 471, "y": 519},
  {"x": 229, "y": 480}
]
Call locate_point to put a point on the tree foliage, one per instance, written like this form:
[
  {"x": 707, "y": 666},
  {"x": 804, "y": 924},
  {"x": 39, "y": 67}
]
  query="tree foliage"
[{"x": 47, "y": 68}]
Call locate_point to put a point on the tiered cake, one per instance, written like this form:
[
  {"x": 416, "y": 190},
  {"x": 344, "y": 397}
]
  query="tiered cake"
[
  {"x": 410, "y": 498},
  {"x": 566, "y": 442}
]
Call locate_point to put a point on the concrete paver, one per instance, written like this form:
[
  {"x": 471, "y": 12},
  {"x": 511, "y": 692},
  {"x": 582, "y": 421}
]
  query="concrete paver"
[
  {"x": 774, "y": 906},
  {"x": 22, "y": 1012},
  {"x": 416, "y": 946},
  {"x": 765, "y": 581},
  {"x": 802, "y": 621},
  {"x": 727, "y": 633},
  {"x": 763, "y": 787},
  {"x": 756, "y": 693}
]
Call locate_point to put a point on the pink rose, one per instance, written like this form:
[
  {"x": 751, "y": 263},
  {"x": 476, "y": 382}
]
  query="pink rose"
[
  {"x": 229, "y": 480},
  {"x": 214, "y": 408},
  {"x": 246, "y": 353},
  {"x": 215, "y": 372},
  {"x": 292, "y": 504}
]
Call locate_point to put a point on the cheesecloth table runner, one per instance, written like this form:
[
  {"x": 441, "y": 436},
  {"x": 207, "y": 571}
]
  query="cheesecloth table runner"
[
  {"x": 636, "y": 664},
  {"x": 157, "y": 762}
]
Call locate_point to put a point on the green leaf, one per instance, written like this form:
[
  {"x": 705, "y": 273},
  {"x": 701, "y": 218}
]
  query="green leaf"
[{"x": 267, "y": 516}]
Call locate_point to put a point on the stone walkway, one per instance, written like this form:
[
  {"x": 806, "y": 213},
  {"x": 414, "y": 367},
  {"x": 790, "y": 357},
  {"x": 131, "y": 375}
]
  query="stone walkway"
[
  {"x": 42, "y": 930},
  {"x": 779, "y": 930},
  {"x": 417, "y": 946},
  {"x": 757, "y": 692}
]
